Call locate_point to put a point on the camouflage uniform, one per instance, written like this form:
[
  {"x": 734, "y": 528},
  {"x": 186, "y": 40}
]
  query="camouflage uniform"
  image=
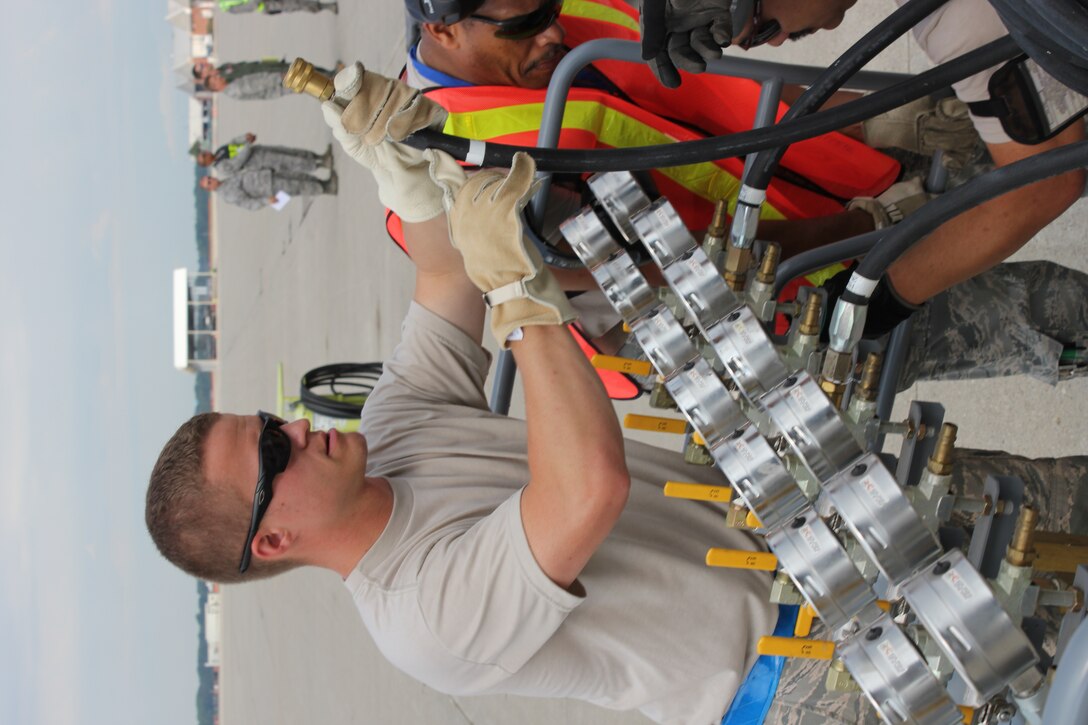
[
  {"x": 1011, "y": 320},
  {"x": 252, "y": 188},
  {"x": 258, "y": 80},
  {"x": 278, "y": 158},
  {"x": 273, "y": 7},
  {"x": 1058, "y": 490}
]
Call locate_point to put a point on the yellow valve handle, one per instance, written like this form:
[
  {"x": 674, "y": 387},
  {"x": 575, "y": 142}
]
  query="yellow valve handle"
[
  {"x": 805, "y": 615},
  {"x": 698, "y": 491},
  {"x": 813, "y": 649},
  {"x": 697, "y": 439},
  {"x": 621, "y": 364},
  {"x": 752, "y": 522},
  {"x": 654, "y": 423},
  {"x": 968, "y": 714},
  {"x": 741, "y": 559}
]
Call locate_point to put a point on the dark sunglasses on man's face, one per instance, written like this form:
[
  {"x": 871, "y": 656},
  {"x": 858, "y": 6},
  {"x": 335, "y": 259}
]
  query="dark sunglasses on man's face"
[
  {"x": 525, "y": 26},
  {"x": 273, "y": 453},
  {"x": 761, "y": 32}
]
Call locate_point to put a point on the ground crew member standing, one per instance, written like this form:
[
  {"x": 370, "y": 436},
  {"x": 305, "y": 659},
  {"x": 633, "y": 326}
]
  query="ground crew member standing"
[
  {"x": 275, "y": 7},
  {"x": 255, "y": 188}
]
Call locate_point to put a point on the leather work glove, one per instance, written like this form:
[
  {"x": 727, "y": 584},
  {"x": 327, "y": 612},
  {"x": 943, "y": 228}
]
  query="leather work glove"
[
  {"x": 691, "y": 33},
  {"x": 924, "y": 126},
  {"x": 485, "y": 225},
  {"x": 899, "y": 201},
  {"x": 886, "y": 308},
  {"x": 369, "y": 114}
]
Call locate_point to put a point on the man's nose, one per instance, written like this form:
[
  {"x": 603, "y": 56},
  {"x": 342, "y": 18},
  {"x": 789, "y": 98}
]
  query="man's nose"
[
  {"x": 298, "y": 431},
  {"x": 554, "y": 33}
]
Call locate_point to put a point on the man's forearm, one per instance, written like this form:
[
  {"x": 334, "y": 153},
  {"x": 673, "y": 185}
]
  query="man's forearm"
[
  {"x": 573, "y": 429},
  {"x": 980, "y": 238}
]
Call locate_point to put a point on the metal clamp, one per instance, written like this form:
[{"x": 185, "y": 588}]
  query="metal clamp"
[
  {"x": 811, "y": 425},
  {"x": 895, "y": 677},
  {"x": 664, "y": 340},
  {"x": 759, "y": 477},
  {"x": 588, "y": 237},
  {"x": 621, "y": 197},
  {"x": 749, "y": 357},
  {"x": 626, "y": 289},
  {"x": 704, "y": 400},
  {"x": 871, "y": 503},
  {"x": 816, "y": 562},
  {"x": 958, "y": 608}
]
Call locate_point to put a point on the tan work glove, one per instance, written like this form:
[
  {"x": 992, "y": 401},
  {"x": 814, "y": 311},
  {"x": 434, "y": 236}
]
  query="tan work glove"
[
  {"x": 898, "y": 202},
  {"x": 923, "y": 127},
  {"x": 485, "y": 225},
  {"x": 368, "y": 115}
]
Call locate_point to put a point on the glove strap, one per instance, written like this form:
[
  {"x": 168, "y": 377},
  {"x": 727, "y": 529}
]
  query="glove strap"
[{"x": 513, "y": 291}]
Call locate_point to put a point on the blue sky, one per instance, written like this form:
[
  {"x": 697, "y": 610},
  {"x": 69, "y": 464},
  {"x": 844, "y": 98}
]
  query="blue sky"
[{"x": 97, "y": 209}]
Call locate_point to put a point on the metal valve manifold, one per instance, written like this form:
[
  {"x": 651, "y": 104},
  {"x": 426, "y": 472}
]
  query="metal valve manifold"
[{"x": 796, "y": 465}]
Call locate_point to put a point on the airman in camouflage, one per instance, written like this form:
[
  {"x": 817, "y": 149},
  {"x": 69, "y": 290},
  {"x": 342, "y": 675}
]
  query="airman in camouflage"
[
  {"x": 255, "y": 189},
  {"x": 241, "y": 153},
  {"x": 275, "y": 7},
  {"x": 1015, "y": 319},
  {"x": 252, "y": 80}
]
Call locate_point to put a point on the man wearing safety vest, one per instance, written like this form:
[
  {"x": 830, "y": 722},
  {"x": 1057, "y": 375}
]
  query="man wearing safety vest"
[{"x": 489, "y": 74}]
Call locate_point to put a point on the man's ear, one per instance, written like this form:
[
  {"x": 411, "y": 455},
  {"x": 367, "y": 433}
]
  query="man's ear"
[
  {"x": 273, "y": 545},
  {"x": 445, "y": 36}
]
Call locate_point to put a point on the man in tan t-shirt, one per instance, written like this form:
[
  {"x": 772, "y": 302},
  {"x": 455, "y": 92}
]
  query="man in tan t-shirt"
[{"x": 485, "y": 554}]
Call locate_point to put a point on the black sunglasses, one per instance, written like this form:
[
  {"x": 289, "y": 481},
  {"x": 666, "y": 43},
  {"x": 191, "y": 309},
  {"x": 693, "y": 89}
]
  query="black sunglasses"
[
  {"x": 761, "y": 32},
  {"x": 273, "y": 453},
  {"x": 525, "y": 26}
]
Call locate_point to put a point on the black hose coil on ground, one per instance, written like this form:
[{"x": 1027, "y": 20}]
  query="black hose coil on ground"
[{"x": 347, "y": 385}]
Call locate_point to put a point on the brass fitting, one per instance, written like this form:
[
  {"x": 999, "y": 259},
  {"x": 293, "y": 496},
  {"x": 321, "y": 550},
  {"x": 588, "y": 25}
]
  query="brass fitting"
[
  {"x": 737, "y": 262},
  {"x": 839, "y": 679},
  {"x": 1021, "y": 551},
  {"x": 697, "y": 454},
  {"x": 870, "y": 377},
  {"x": 302, "y": 78},
  {"x": 810, "y": 320},
  {"x": 769, "y": 264},
  {"x": 717, "y": 226},
  {"x": 660, "y": 397},
  {"x": 835, "y": 375},
  {"x": 940, "y": 463}
]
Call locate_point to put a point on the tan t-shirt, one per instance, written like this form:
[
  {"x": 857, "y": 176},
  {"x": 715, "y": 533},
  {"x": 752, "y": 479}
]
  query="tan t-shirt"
[{"x": 451, "y": 592}]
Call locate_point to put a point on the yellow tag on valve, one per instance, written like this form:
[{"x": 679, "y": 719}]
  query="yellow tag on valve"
[
  {"x": 742, "y": 559},
  {"x": 812, "y": 649},
  {"x": 654, "y": 423},
  {"x": 623, "y": 365},
  {"x": 698, "y": 491}
]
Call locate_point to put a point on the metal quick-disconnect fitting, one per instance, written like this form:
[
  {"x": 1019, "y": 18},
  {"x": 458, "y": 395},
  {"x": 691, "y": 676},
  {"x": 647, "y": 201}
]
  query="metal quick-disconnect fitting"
[
  {"x": 746, "y": 217},
  {"x": 302, "y": 78},
  {"x": 847, "y": 325}
]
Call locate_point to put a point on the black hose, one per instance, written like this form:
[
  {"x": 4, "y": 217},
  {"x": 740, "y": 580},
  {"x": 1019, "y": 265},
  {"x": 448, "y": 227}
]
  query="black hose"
[
  {"x": 355, "y": 379},
  {"x": 845, "y": 66},
  {"x": 950, "y": 204},
  {"x": 720, "y": 147}
]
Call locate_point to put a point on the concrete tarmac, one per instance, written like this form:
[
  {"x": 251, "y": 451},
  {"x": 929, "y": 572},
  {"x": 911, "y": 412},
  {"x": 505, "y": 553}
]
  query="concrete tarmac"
[{"x": 319, "y": 282}]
